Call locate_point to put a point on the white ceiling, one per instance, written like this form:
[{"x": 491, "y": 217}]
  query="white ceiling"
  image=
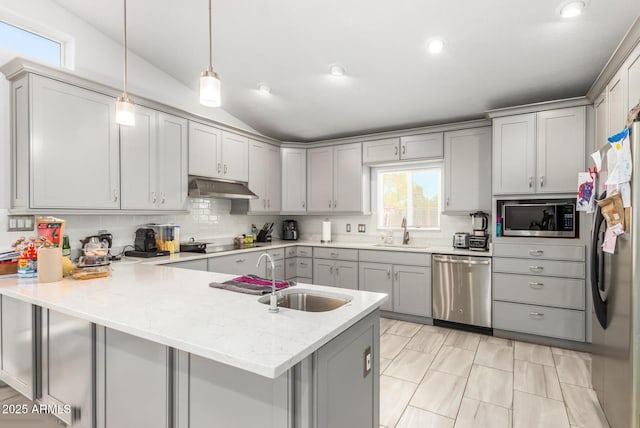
[{"x": 499, "y": 53}]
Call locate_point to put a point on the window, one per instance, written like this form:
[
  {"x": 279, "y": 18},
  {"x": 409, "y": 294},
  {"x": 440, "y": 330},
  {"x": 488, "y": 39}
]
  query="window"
[
  {"x": 28, "y": 44},
  {"x": 413, "y": 193}
]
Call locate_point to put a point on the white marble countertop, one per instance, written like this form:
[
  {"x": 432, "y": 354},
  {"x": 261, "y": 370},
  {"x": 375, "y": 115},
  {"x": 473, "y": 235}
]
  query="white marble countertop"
[{"x": 177, "y": 308}]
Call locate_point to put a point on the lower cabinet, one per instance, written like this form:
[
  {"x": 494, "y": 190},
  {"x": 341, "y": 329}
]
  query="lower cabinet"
[
  {"x": 67, "y": 364},
  {"x": 335, "y": 273},
  {"x": 18, "y": 344},
  {"x": 133, "y": 378},
  {"x": 200, "y": 264},
  {"x": 237, "y": 264},
  {"x": 412, "y": 290},
  {"x": 377, "y": 277}
]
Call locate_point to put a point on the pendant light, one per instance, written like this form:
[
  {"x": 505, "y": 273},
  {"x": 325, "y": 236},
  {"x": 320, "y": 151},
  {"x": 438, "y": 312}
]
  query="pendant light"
[
  {"x": 209, "y": 80},
  {"x": 125, "y": 109}
]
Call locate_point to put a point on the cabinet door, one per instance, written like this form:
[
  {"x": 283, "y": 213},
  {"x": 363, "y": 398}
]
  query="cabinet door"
[
  {"x": 616, "y": 103},
  {"x": 294, "y": 179},
  {"x": 257, "y": 175},
  {"x": 291, "y": 268},
  {"x": 376, "y": 277},
  {"x": 467, "y": 181},
  {"x": 323, "y": 272},
  {"x": 380, "y": 151},
  {"x": 16, "y": 365},
  {"x": 204, "y": 150},
  {"x": 237, "y": 264},
  {"x": 138, "y": 146},
  {"x": 280, "y": 270},
  {"x": 235, "y": 157},
  {"x": 561, "y": 149},
  {"x": 273, "y": 179},
  {"x": 320, "y": 179},
  {"x": 601, "y": 126},
  {"x": 346, "y": 274},
  {"x": 514, "y": 154},
  {"x": 131, "y": 370},
  {"x": 200, "y": 264},
  {"x": 412, "y": 290},
  {"x": 67, "y": 366},
  {"x": 632, "y": 69},
  {"x": 172, "y": 162},
  {"x": 74, "y": 147},
  {"x": 425, "y": 146},
  {"x": 347, "y": 173}
]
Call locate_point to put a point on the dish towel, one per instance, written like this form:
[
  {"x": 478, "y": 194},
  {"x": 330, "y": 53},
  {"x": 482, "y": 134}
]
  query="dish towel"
[{"x": 251, "y": 284}]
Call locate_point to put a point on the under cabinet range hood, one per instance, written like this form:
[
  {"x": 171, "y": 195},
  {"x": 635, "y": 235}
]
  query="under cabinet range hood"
[{"x": 202, "y": 187}]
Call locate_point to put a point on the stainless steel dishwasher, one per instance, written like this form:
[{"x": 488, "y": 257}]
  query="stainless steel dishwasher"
[{"x": 462, "y": 289}]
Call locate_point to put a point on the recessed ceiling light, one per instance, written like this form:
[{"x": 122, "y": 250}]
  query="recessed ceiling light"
[
  {"x": 336, "y": 70},
  {"x": 435, "y": 45},
  {"x": 263, "y": 88},
  {"x": 572, "y": 9}
]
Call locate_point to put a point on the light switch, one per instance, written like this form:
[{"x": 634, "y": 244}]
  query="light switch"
[
  {"x": 20, "y": 223},
  {"x": 367, "y": 361}
]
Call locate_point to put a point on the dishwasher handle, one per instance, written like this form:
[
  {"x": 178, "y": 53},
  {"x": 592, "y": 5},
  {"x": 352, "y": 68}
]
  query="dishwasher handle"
[{"x": 463, "y": 262}]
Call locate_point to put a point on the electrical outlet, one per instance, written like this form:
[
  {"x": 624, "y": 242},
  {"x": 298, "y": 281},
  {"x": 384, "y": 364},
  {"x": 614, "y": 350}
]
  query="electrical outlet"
[
  {"x": 20, "y": 223},
  {"x": 366, "y": 362},
  {"x": 348, "y": 227},
  {"x": 362, "y": 228}
]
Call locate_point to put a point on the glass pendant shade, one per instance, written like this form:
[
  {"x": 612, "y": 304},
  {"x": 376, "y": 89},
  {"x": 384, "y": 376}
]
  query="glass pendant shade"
[
  {"x": 210, "y": 89},
  {"x": 125, "y": 111}
]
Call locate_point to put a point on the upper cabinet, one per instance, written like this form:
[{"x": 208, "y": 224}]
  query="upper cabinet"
[
  {"x": 335, "y": 179},
  {"x": 467, "y": 171},
  {"x": 414, "y": 147},
  {"x": 217, "y": 154},
  {"x": 538, "y": 152},
  {"x": 294, "y": 180},
  {"x": 264, "y": 176}
]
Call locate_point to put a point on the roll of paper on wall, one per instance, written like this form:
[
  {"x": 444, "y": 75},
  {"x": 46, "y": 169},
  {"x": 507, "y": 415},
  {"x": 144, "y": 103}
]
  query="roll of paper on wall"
[{"x": 326, "y": 232}]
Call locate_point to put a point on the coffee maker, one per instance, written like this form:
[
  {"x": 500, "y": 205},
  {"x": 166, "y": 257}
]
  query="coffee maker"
[
  {"x": 290, "y": 230},
  {"x": 479, "y": 239}
]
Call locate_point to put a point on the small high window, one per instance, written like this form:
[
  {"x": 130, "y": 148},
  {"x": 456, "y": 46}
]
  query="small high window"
[{"x": 30, "y": 45}]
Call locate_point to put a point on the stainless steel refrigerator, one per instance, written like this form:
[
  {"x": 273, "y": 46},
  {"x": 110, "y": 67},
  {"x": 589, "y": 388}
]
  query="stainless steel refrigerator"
[{"x": 615, "y": 287}]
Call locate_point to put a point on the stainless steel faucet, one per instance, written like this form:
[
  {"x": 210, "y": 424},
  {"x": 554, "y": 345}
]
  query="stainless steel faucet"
[
  {"x": 405, "y": 234},
  {"x": 273, "y": 299}
]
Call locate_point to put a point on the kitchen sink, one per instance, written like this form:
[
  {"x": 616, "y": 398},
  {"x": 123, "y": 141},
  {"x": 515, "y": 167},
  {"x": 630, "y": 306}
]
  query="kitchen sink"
[{"x": 308, "y": 301}]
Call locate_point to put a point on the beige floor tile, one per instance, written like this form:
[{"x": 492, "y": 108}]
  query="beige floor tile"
[
  {"x": 532, "y": 411},
  {"x": 495, "y": 356},
  {"x": 454, "y": 361},
  {"x": 394, "y": 397},
  {"x": 427, "y": 341},
  {"x": 497, "y": 340},
  {"x": 385, "y": 323},
  {"x": 583, "y": 407},
  {"x": 410, "y": 365},
  {"x": 576, "y": 371},
  {"x": 490, "y": 385},
  {"x": 464, "y": 340},
  {"x": 391, "y": 345},
  {"x": 403, "y": 328},
  {"x": 6, "y": 393},
  {"x": 440, "y": 393},
  {"x": 536, "y": 379},
  {"x": 384, "y": 363},
  {"x": 418, "y": 418},
  {"x": 476, "y": 414},
  {"x": 571, "y": 353},
  {"x": 534, "y": 353},
  {"x": 436, "y": 329},
  {"x": 28, "y": 420}
]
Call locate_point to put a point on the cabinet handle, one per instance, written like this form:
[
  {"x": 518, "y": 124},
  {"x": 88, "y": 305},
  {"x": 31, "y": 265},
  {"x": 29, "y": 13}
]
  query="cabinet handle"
[
  {"x": 536, "y": 315},
  {"x": 331, "y": 270},
  {"x": 276, "y": 254},
  {"x": 337, "y": 270},
  {"x": 541, "y": 180},
  {"x": 225, "y": 169},
  {"x": 303, "y": 264},
  {"x": 153, "y": 197},
  {"x": 395, "y": 275},
  {"x": 240, "y": 260},
  {"x": 329, "y": 204},
  {"x": 536, "y": 252},
  {"x": 115, "y": 196},
  {"x": 404, "y": 149},
  {"x": 536, "y": 268},
  {"x": 335, "y": 204},
  {"x": 530, "y": 181},
  {"x": 163, "y": 197},
  {"x": 388, "y": 273},
  {"x": 264, "y": 203},
  {"x": 219, "y": 167},
  {"x": 268, "y": 203},
  {"x": 536, "y": 285},
  {"x": 334, "y": 255},
  {"x": 303, "y": 204},
  {"x": 395, "y": 151},
  {"x": 447, "y": 202}
]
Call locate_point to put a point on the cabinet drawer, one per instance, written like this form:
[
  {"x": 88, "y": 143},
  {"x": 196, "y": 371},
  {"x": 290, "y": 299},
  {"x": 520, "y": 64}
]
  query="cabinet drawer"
[
  {"x": 539, "y": 290},
  {"x": 290, "y": 252},
  {"x": 290, "y": 268},
  {"x": 276, "y": 253},
  {"x": 336, "y": 253},
  {"x": 539, "y": 267},
  {"x": 395, "y": 257},
  {"x": 540, "y": 320},
  {"x": 304, "y": 267},
  {"x": 537, "y": 251},
  {"x": 304, "y": 251}
]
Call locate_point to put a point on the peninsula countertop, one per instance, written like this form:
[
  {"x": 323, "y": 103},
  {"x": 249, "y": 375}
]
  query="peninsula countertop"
[{"x": 177, "y": 308}]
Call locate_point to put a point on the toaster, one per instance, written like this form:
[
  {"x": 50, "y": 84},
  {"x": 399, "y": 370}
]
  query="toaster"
[{"x": 461, "y": 240}]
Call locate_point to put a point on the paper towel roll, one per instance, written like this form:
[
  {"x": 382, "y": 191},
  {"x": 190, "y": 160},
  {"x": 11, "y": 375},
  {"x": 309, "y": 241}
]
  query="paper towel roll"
[
  {"x": 49, "y": 264},
  {"x": 326, "y": 231}
]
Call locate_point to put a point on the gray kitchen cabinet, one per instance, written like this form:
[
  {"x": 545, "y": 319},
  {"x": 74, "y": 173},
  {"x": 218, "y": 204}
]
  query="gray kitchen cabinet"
[
  {"x": 616, "y": 107},
  {"x": 335, "y": 179},
  {"x": 235, "y": 157},
  {"x": 423, "y": 146},
  {"x": 200, "y": 264},
  {"x": 153, "y": 162},
  {"x": 335, "y": 273},
  {"x": 540, "y": 290},
  {"x": 377, "y": 277},
  {"x": 60, "y": 124},
  {"x": 323, "y": 272},
  {"x": 291, "y": 268},
  {"x": 412, "y": 290},
  {"x": 237, "y": 264},
  {"x": 467, "y": 170},
  {"x": 294, "y": 179},
  {"x": 380, "y": 151},
  {"x": 280, "y": 270},
  {"x": 67, "y": 367},
  {"x": 539, "y": 152},
  {"x": 601, "y": 131},
  {"x": 217, "y": 154},
  {"x": 539, "y": 320},
  {"x": 632, "y": 75},
  {"x": 264, "y": 176},
  {"x": 18, "y": 349},
  {"x": 133, "y": 377}
]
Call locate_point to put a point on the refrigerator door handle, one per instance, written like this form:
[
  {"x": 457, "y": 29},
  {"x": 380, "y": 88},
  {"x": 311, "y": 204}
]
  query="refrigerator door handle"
[{"x": 598, "y": 286}]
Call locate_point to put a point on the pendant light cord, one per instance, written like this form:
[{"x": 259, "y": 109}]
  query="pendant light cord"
[
  {"x": 125, "y": 49},
  {"x": 210, "y": 41}
]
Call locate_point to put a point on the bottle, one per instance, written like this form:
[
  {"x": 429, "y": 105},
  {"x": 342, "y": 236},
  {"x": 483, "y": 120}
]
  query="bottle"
[
  {"x": 66, "y": 248},
  {"x": 498, "y": 226}
]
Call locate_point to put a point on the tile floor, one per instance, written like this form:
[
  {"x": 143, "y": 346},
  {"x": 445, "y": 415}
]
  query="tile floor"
[
  {"x": 9, "y": 396},
  {"x": 433, "y": 377}
]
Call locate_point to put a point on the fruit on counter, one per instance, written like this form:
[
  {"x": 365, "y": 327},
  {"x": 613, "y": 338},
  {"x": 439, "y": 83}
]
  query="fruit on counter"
[{"x": 67, "y": 267}]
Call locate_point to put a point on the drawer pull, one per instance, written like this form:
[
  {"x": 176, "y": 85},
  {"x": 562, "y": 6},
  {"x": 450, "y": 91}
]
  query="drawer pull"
[
  {"x": 536, "y": 252},
  {"x": 536, "y": 315},
  {"x": 536, "y": 285},
  {"x": 536, "y": 268},
  {"x": 334, "y": 255},
  {"x": 240, "y": 260},
  {"x": 388, "y": 273},
  {"x": 303, "y": 264}
]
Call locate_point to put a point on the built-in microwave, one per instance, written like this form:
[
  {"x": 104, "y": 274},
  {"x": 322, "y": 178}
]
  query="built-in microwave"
[{"x": 539, "y": 218}]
